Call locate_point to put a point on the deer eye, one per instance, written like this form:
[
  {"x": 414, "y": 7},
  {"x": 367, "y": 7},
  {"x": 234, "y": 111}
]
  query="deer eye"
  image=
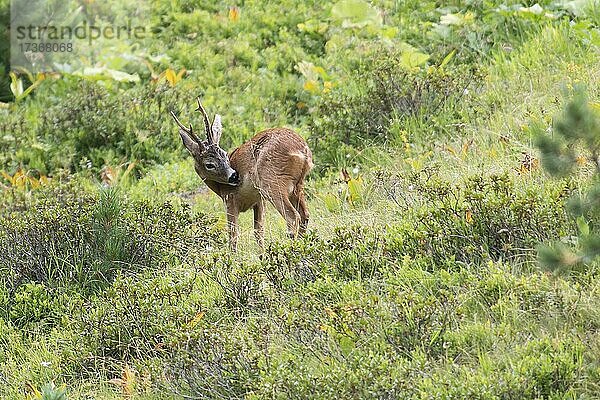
[{"x": 209, "y": 166}]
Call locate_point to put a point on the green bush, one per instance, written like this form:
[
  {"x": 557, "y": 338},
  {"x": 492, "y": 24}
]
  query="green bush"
[
  {"x": 384, "y": 93},
  {"x": 136, "y": 318},
  {"x": 90, "y": 125},
  {"x": 211, "y": 363},
  {"x": 240, "y": 284},
  {"x": 484, "y": 218},
  {"x": 352, "y": 253},
  {"x": 130, "y": 127},
  {"x": 33, "y": 304},
  {"x": 51, "y": 392},
  {"x": 51, "y": 242},
  {"x": 84, "y": 240}
]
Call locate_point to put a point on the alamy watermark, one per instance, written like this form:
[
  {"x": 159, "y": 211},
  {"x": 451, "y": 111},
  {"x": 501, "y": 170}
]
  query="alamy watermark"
[{"x": 50, "y": 35}]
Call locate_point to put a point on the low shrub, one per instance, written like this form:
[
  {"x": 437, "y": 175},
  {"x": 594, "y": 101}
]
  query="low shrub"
[
  {"x": 71, "y": 133},
  {"x": 484, "y": 218},
  {"x": 429, "y": 102},
  {"x": 34, "y": 304},
  {"x": 136, "y": 318},
  {"x": 240, "y": 284},
  {"x": 352, "y": 253},
  {"x": 213, "y": 364},
  {"x": 84, "y": 239},
  {"x": 51, "y": 241}
]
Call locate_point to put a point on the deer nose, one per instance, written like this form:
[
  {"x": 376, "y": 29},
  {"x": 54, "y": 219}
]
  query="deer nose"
[{"x": 234, "y": 178}]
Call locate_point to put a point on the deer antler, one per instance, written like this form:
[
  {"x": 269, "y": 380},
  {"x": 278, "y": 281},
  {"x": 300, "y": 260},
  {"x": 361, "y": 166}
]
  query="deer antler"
[
  {"x": 206, "y": 120},
  {"x": 189, "y": 131}
]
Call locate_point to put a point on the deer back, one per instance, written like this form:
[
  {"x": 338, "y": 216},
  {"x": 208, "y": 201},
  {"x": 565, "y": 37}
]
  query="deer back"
[{"x": 274, "y": 161}]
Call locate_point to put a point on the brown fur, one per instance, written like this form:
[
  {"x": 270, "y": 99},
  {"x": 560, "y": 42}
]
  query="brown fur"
[{"x": 272, "y": 166}]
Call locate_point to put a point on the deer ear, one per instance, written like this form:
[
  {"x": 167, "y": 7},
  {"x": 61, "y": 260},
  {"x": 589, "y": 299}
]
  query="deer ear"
[
  {"x": 216, "y": 129},
  {"x": 195, "y": 148}
]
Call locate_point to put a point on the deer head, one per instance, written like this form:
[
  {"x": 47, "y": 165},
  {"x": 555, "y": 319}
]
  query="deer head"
[{"x": 211, "y": 161}]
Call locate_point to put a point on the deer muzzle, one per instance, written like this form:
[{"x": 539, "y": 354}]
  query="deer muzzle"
[{"x": 234, "y": 178}]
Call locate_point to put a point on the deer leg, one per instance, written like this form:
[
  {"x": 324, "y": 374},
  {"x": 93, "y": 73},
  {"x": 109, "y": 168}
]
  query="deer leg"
[
  {"x": 259, "y": 226},
  {"x": 287, "y": 210},
  {"x": 232, "y": 224},
  {"x": 299, "y": 202},
  {"x": 304, "y": 215}
]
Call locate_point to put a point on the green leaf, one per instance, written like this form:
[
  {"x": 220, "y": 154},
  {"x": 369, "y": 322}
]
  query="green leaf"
[
  {"x": 313, "y": 26},
  {"x": 99, "y": 73},
  {"x": 321, "y": 72},
  {"x": 389, "y": 33},
  {"x": 34, "y": 85},
  {"x": 457, "y": 19},
  {"x": 332, "y": 202},
  {"x": 355, "y": 190},
  {"x": 355, "y": 13},
  {"x": 447, "y": 59},
  {"x": 583, "y": 226},
  {"x": 411, "y": 59},
  {"x": 16, "y": 85},
  {"x": 346, "y": 345}
]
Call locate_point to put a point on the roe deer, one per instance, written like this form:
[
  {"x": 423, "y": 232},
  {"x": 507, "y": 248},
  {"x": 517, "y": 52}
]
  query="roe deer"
[{"x": 271, "y": 166}]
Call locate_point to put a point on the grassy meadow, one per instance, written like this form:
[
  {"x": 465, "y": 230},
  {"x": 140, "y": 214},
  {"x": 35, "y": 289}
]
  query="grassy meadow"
[{"x": 419, "y": 277}]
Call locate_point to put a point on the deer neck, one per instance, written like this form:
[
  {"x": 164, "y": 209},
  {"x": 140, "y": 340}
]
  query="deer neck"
[{"x": 221, "y": 189}]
